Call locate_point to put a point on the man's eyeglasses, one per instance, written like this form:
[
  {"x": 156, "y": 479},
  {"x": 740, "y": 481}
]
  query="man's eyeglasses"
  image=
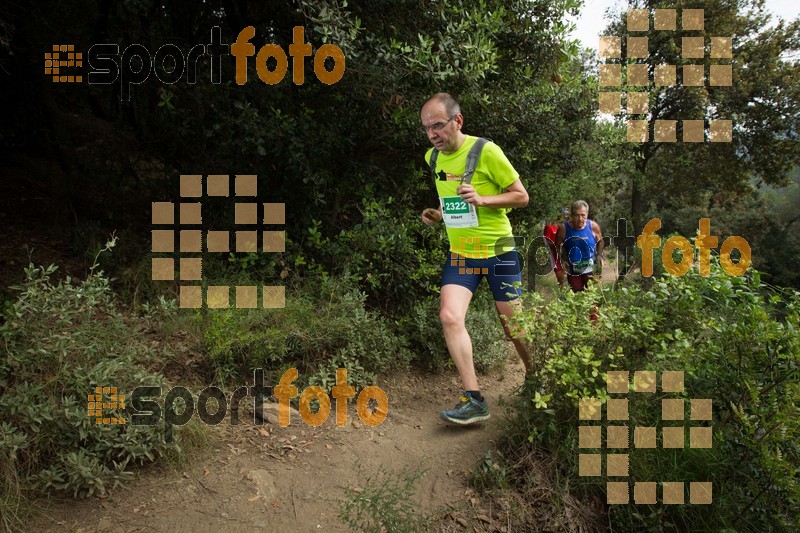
[{"x": 437, "y": 127}]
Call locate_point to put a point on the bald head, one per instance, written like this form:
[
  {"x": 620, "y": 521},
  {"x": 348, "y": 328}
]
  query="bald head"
[
  {"x": 450, "y": 104},
  {"x": 441, "y": 120}
]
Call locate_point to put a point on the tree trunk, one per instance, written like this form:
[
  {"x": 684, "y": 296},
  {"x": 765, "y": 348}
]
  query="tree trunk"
[
  {"x": 636, "y": 202},
  {"x": 636, "y": 215}
]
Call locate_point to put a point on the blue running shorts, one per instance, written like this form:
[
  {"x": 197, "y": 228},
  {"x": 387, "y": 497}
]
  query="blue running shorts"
[{"x": 501, "y": 271}]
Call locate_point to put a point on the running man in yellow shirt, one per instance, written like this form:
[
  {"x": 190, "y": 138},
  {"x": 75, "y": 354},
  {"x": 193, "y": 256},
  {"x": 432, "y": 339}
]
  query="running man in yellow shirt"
[{"x": 474, "y": 208}]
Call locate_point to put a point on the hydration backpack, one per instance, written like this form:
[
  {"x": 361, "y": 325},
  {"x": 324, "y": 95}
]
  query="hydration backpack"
[{"x": 472, "y": 160}]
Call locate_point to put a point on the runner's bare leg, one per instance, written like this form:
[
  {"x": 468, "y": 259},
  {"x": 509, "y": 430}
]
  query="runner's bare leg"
[
  {"x": 455, "y": 301},
  {"x": 507, "y": 309}
]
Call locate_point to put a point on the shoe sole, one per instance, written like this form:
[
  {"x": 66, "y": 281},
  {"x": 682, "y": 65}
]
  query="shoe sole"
[{"x": 465, "y": 422}]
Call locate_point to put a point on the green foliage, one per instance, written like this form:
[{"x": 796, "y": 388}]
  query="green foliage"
[
  {"x": 60, "y": 341},
  {"x": 491, "y": 472},
  {"x": 324, "y": 326},
  {"x": 767, "y": 219},
  {"x": 384, "y": 503},
  {"x": 738, "y": 345},
  {"x": 389, "y": 254},
  {"x": 762, "y": 102},
  {"x": 422, "y": 327},
  {"x": 320, "y": 149}
]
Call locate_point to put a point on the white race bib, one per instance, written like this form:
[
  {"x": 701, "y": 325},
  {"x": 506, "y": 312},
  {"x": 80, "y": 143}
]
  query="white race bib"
[{"x": 457, "y": 213}]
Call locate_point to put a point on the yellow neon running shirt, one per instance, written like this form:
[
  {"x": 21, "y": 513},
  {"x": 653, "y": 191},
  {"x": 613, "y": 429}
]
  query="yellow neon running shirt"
[{"x": 493, "y": 174}]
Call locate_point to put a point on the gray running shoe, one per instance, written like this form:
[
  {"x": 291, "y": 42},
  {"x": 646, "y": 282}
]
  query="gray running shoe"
[{"x": 467, "y": 411}]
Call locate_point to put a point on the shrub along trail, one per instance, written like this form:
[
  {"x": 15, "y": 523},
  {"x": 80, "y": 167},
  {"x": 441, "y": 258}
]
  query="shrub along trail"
[{"x": 272, "y": 478}]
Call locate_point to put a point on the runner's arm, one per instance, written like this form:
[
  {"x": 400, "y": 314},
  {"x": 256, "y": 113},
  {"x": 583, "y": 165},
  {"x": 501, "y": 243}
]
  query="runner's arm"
[
  {"x": 600, "y": 246},
  {"x": 515, "y": 195}
]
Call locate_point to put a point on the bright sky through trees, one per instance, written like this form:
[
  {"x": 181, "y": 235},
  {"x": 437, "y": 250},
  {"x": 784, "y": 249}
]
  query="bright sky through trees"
[{"x": 592, "y": 20}]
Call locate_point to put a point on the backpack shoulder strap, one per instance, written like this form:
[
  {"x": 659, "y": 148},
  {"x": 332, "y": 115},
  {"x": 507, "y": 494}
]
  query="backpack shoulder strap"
[
  {"x": 472, "y": 158},
  {"x": 434, "y": 154}
]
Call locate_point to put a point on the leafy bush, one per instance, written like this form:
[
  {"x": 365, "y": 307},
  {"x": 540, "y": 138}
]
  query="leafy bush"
[
  {"x": 59, "y": 343},
  {"x": 424, "y": 331},
  {"x": 738, "y": 345},
  {"x": 360, "y": 301},
  {"x": 324, "y": 326},
  {"x": 391, "y": 256}
]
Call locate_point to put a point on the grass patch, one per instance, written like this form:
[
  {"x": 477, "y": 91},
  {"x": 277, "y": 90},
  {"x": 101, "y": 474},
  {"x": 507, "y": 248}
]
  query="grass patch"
[
  {"x": 59, "y": 342},
  {"x": 384, "y": 503}
]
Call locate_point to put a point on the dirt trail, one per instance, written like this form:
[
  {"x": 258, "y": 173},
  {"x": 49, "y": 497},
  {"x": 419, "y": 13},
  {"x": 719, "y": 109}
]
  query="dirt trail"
[{"x": 273, "y": 478}]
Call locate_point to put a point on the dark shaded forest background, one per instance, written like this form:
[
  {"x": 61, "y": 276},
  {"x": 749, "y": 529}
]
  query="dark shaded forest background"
[
  {"x": 99, "y": 160},
  {"x": 96, "y": 161},
  {"x": 323, "y": 150}
]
